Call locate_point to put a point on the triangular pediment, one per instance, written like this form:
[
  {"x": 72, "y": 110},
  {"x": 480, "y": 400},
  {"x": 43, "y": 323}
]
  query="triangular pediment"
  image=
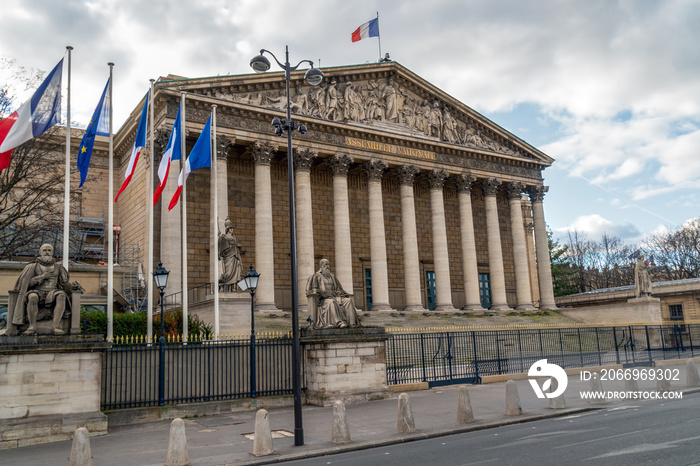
[{"x": 384, "y": 97}]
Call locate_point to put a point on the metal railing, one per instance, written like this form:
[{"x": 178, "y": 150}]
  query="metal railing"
[
  {"x": 449, "y": 357},
  {"x": 194, "y": 372}
]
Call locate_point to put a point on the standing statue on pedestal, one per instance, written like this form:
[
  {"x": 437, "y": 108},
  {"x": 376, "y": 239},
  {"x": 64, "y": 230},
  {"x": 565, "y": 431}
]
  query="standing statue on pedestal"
[
  {"x": 230, "y": 255},
  {"x": 42, "y": 292},
  {"x": 642, "y": 280},
  {"x": 330, "y": 305}
]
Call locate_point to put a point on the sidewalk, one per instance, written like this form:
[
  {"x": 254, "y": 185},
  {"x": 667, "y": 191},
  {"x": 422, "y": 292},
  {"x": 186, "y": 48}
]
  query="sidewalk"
[{"x": 219, "y": 440}]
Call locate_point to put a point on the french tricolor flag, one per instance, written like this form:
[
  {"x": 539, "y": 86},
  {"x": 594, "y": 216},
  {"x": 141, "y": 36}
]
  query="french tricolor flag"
[
  {"x": 139, "y": 144},
  {"x": 369, "y": 29},
  {"x": 200, "y": 157},
  {"x": 172, "y": 152},
  {"x": 35, "y": 116}
]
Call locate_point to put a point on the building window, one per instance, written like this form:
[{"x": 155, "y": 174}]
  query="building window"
[
  {"x": 430, "y": 290},
  {"x": 485, "y": 290},
  {"x": 676, "y": 311},
  {"x": 368, "y": 288}
]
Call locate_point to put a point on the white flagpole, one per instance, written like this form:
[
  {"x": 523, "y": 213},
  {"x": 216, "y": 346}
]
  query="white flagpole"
[
  {"x": 379, "y": 38},
  {"x": 66, "y": 189},
  {"x": 110, "y": 228},
  {"x": 149, "y": 203},
  {"x": 183, "y": 202},
  {"x": 215, "y": 213}
]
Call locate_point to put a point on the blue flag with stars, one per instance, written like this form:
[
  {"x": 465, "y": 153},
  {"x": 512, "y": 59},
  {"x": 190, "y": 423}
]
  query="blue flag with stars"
[{"x": 99, "y": 125}]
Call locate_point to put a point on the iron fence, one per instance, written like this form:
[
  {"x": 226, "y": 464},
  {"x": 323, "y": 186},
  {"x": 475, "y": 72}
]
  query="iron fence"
[
  {"x": 450, "y": 357},
  {"x": 194, "y": 371}
]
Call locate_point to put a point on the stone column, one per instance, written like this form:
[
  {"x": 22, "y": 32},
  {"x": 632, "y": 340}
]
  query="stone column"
[
  {"x": 531, "y": 258},
  {"x": 441, "y": 257},
  {"x": 223, "y": 145},
  {"x": 409, "y": 237},
  {"x": 303, "y": 159},
  {"x": 264, "y": 241},
  {"x": 498, "y": 281},
  {"x": 544, "y": 268},
  {"x": 377, "y": 236},
  {"x": 339, "y": 163},
  {"x": 471, "y": 271},
  {"x": 522, "y": 271},
  {"x": 171, "y": 227}
]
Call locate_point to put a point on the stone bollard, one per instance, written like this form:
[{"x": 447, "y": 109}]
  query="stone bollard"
[
  {"x": 631, "y": 385},
  {"x": 662, "y": 383},
  {"x": 341, "y": 429},
  {"x": 262, "y": 443},
  {"x": 80, "y": 454},
  {"x": 691, "y": 374},
  {"x": 597, "y": 387},
  {"x": 558, "y": 402},
  {"x": 465, "y": 415},
  {"x": 405, "y": 423},
  {"x": 177, "y": 446},
  {"x": 513, "y": 407}
]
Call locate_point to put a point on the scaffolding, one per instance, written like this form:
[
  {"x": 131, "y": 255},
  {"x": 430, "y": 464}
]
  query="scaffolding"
[{"x": 133, "y": 291}]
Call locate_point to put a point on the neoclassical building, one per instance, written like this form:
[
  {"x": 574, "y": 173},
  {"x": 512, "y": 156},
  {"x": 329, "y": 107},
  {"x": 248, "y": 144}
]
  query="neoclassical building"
[{"x": 418, "y": 201}]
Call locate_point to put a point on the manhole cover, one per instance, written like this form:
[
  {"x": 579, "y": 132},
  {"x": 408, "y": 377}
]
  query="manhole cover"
[{"x": 275, "y": 434}]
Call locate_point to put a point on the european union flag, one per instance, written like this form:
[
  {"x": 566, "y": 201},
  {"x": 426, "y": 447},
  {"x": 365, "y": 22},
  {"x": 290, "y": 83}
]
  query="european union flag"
[{"x": 99, "y": 125}]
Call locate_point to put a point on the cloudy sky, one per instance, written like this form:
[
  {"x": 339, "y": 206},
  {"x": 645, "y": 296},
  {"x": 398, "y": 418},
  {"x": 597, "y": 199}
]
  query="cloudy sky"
[{"x": 610, "y": 89}]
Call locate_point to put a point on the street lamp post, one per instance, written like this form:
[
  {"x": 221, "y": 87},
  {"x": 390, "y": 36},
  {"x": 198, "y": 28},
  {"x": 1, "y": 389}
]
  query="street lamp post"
[
  {"x": 160, "y": 276},
  {"x": 250, "y": 282},
  {"x": 313, "y": 76}
]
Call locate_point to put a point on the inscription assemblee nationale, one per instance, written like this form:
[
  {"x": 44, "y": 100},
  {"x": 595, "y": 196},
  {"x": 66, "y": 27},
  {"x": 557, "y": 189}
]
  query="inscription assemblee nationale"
[{"x": 390, "y": 148}]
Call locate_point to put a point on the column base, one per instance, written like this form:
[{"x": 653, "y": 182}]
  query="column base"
[
  {"x": 444, "y": 308},
  {"x": 473, "y": 307},
  {"x": 266, "y": 308},
  {"x": 525, "y": 307},
  {"x": 414, "y": 308},
  {"x": 548, "y": 307},
  {"x": 500, "y": 307},
  {"x": 381, "y": 307}
]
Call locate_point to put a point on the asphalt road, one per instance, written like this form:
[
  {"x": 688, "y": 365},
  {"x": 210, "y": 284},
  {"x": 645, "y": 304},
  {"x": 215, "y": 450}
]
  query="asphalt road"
[{"x": 651, "y": 432}]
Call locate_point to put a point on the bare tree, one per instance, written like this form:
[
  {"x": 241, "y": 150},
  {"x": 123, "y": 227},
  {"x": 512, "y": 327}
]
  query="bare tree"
[{"x": 677, "y": 253}]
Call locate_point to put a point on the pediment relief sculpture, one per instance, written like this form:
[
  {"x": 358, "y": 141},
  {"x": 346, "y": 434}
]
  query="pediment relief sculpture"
[{"x": 380, "y": 103}]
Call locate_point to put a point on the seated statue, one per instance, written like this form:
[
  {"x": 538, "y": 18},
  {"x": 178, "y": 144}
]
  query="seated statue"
[
  {"x": 330, "y": 305},
  {"x": 43, "y": 292}
]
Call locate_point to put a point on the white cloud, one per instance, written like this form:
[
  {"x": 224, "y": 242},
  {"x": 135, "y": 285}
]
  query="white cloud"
[{"x": 594, "y": 226}]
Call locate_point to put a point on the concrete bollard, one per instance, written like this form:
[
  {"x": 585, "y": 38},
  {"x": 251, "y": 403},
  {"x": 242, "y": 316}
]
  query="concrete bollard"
[
  {"x": 597, "y": 387},
  {"x": 691, "y": 374},
  {"x": 631, "y": 385},
  {"x": 177, "y": 446},
  {"x": 465, "y": 415},
  {"x": 341, "y": 429},
  {"x": 513, "y": 407},
  {"x": 405, "y": 423},
  {"x": 80, "y": 454},
  {"x": 262, "y": 443},
  {"x": 662, "y": 383},
  {"x": 558, "y": 402}
]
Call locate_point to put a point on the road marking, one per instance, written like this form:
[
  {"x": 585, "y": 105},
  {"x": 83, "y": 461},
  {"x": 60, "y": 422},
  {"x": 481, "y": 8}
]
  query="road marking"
[{"x": 599, "y": 439}]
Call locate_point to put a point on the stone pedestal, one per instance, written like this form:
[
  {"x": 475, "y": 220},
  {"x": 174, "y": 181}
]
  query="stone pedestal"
[
  {"x": 234, "y": 312},
  {"x": 345, "y": 364},
  {"x": 49, "y": 386},
  {"x": 648, "y": 309}
]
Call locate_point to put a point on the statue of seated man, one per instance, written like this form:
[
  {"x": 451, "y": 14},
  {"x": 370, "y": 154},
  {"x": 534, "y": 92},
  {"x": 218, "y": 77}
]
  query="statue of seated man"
[
  {"x": 330, "y": 305},
  {"x": 43, "y": 290}
]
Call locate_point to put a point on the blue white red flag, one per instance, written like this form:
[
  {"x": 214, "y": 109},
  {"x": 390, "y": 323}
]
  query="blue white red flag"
[
  {"x": 172, "y": 152},
  {"x": 200, "y": 157},
  {"x": 99, "y": 126},
  {"x": 34, "y": 117},
  {"x": 369, "y": 29},
  {"x": 139, "y": 144}
]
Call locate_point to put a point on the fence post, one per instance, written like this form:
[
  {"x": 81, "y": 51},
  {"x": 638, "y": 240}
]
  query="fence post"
[
  {"x": 617, "y": 351},
  {"x": 520, "y": 349},
  {"x": 422, "y": 357},
  {"x": 580, "y": 346},
  {"x": 476, "y": 356},
  {"x": 690, "y": 340},
  {"x": 597, "y": 342}
]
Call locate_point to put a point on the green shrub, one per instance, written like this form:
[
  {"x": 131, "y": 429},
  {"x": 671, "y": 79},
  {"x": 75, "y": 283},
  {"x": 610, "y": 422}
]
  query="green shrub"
[{"x": 95, "y": 322}]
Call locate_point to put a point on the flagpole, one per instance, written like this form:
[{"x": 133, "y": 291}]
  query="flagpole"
[
  {"x": 149, "y": 203},
  {"x": 379, "y": 38},
  {"x": 66, "y": 189},
  {"x": 110, "y": 228},
  {"x": 215, "y": 213},
  {"x": 183, "y": 147}
]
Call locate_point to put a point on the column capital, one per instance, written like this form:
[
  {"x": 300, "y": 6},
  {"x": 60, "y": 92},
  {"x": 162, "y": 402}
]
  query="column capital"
[
  {"x": 537, "y": 192},
  {"x": 339, "y": 163},
  {"x": 406, "y": 174},
  {"x": 514, "y": 189},
  {"x": 490, "y": 186},
  {"x": 374, "y": 169},
  {"x": 262, "y": 152},
  {"x": 223, "y": 146},
  {"x": 303, "y": 158},
  {"x": 161, "y": 139},
  {"x": 464, "y": 182},
  {"x": 436, "y": 178}
]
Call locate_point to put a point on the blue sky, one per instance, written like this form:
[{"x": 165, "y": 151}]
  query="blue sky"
[{"x": 608, "y": 88}]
